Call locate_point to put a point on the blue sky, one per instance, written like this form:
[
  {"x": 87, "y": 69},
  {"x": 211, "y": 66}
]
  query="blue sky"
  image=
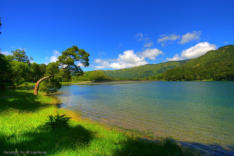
[{"x": 117, "y": 34}]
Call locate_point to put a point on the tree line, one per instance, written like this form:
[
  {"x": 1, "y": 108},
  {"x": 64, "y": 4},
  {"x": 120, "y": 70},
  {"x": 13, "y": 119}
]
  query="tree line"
[{"x": 18, "y": 68}]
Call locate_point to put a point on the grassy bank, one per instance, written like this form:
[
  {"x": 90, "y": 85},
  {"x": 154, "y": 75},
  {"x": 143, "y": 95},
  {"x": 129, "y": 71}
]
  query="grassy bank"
[{"x": 22, "y": 129}]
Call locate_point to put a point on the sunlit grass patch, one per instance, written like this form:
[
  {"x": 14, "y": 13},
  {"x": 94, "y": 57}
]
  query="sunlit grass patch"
[{"x": 24, "y": 117}]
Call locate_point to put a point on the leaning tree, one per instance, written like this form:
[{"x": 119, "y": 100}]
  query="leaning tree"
[{"x": 70, "y": 61}]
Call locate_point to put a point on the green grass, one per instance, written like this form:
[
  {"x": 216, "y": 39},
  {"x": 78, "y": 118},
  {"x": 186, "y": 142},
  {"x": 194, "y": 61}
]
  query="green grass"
[{"x": 23, "y": 117}]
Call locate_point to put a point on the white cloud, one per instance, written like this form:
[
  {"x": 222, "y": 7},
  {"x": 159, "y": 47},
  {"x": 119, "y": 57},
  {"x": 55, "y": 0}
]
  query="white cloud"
[
  {"x": 194, "y": 51},
  {"x": 128, "y": 59},
  {"x": 151, "y": 53},
  {"x": 190, "y": 36},
  {"x": 165, "y": 38},
  {"x": 55, "y": 56},
  {"x": 5, "y": 53},
  {"x": 80, "y": 64},
  {"x": 175, "y": 58}
]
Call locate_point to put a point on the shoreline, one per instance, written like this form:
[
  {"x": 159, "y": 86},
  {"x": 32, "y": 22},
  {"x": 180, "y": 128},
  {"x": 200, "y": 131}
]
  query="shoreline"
[
  {"x": 144, "y": 136},
  {"x": 128, "y": 82},
  {"x": 139, "y": 135}
]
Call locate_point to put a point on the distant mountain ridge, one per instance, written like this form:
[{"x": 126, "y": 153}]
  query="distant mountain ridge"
[
  {"x": 144, "y": 72},
  {"x": 215, "y": 65}
]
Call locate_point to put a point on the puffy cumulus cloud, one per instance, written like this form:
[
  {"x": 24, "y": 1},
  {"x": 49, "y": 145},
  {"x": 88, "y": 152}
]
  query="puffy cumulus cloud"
[
  {"x": 190, "y": 36},
  {"x": 198, "y": 50},
  {"x": 165, "y": 38},
  {"x": 125, "y": 60},
  {"x": 175, "y": 58},
  {"x": 151, "y": 53},
  {"x": 194, "y": 51},
  {"x": 128, "y": 59},
  {"x": 55, "y": 56}
]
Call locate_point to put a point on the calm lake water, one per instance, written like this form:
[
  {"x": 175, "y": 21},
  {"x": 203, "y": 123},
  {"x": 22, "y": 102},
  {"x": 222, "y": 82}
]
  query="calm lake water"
[{"x": 201, "y": 112}]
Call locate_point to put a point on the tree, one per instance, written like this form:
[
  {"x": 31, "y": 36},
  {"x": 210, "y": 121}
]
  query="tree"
[
  {"x": 98, "y": 76},
  {"x": 42, "y": 69},
  {"x": 36, "y": 72},
  {"x": 20, "y": 72},
  {"x": 5, "y": 72},
  {"x": 20, "y": 56},
  {"x": 67, "y": 65},
  {"x": 52, "y": 84},
  {"x": 71, "y": 60}
]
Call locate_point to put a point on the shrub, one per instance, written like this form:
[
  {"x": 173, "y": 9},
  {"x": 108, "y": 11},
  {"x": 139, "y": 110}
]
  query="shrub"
[{"x": 57, "y": 121}]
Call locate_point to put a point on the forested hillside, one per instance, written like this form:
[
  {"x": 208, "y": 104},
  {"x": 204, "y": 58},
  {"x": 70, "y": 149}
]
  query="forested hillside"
[
  {"x": 214, "y": 65},
  {"x": 144, "y": 72}
]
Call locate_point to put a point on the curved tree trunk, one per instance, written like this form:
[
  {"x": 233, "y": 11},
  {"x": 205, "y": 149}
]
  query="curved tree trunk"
[{"x": 38, "y": 83}]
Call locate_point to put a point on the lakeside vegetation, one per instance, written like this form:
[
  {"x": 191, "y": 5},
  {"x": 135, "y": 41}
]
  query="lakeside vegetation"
[
  {"x": 35, "y": 125},
  {"x": 17, "y": 68},
  {"x": 24, "y": 128}
]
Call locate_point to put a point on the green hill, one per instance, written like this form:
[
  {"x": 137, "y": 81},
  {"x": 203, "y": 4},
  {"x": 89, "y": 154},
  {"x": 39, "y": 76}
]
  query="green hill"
[
  {"x": 214, "y": 65},
  {"x": 144, "y": 72}
]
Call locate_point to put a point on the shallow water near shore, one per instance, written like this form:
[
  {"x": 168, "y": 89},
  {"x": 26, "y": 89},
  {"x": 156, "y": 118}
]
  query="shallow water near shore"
[{"x": 198, "y": 112}]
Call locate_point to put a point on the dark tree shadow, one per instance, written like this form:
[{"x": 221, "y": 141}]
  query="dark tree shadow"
[
  {"x": 19, "y": 100},
  {"x": 143, "y": 147},
  {"x": 47, "y": 140},
  {"x": 169, "y": 147}
]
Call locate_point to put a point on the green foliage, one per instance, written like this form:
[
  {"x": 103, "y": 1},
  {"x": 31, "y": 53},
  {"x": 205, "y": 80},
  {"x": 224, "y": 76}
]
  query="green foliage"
[
  {"x": 70, "y": 59},
  {"x": 52, "y": 69},
  {"x": 50, "y": 85},
  {"x": 57, "y": 121},
  {"x": 145, "y": 72},
  {"x": 53, "y": 83},
  {"x": 20, "y": 72},
  {"x": 98, "y": 76},
  {"x": 37, "y": 71},
  {"x": 20, "y": 56},
  {"x": 215, "y": 65},
  {"x": 5, "y": 72},
  {"x": 17, "y": 69},
  {"x": 65, "y": 75},
  {"x": 22, "y": 115}
]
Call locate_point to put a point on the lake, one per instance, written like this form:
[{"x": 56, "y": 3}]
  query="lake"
[{"x": 201, "y": 112}]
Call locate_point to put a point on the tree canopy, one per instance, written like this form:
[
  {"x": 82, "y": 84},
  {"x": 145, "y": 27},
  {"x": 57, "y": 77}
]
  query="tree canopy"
[
  {"x": 72, "y": 59},
  {"x": 5, "y": 72},
  {"x": 20, "y": 56}
]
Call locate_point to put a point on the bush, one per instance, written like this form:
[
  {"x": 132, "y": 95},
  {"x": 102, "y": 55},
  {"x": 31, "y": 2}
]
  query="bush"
[
  {"x": 57, "y": 121},
  {"x": 50, "y": 85}
]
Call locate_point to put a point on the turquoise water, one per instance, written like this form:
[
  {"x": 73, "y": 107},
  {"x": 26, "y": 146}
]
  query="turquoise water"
[{"x": 201, "y": 112}]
